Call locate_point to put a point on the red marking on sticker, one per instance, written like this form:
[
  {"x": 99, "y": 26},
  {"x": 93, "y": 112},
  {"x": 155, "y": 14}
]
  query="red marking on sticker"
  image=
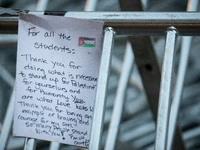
[{"x": 80, "y": 41}]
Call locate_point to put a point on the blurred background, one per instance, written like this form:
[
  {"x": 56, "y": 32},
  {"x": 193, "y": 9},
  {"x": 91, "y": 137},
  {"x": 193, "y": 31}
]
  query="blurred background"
[{"x": 137, "y": 127}]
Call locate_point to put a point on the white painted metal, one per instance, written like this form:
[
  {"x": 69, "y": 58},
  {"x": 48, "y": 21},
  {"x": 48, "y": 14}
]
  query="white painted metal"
[
  {"x": 165, "y": 91},
  {"x": 101, "y": 93}
]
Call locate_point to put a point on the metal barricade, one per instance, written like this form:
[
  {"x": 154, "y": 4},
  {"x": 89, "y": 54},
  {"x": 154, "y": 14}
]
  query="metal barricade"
[{"x": 169, "y": 24}]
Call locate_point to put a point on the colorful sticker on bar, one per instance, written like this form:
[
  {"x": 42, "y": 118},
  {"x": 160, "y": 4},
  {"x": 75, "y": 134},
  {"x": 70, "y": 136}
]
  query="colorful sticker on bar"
[{"x": 86, "y": 42}]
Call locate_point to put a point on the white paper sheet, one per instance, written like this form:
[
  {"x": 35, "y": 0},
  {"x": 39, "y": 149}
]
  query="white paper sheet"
[{"x": 57, "y": 69}]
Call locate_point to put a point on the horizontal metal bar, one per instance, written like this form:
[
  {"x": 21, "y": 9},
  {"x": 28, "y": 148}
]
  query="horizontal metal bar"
[
  {"x": 136, "y": 17},
  {"x": 127, "y": 23}
]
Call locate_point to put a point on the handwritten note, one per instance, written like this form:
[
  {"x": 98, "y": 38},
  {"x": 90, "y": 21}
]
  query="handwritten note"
[{"x": 56, "y": 79}]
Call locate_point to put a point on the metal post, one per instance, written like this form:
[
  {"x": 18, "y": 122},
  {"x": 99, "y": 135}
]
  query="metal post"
[
  {"x": 6, "y": 127},
  {"x": 54, "y": 146},
  {"x": 30, "y": 144},
  {"x": 165, "y": 91},
  {"x": 90, "y": 5},
  {"x": 119, "y": 100},
  {"x": 101, "y": 93},
  {"x": 7, "y": 76},
  {"x": 5, "y": 131},
  {"x": 41, "y": 5},
  {"x": 185, "y": 48}
]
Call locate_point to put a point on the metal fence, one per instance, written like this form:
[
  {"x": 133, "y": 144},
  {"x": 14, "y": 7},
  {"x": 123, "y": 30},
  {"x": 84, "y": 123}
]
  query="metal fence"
[{"x": 129, "y": 112}]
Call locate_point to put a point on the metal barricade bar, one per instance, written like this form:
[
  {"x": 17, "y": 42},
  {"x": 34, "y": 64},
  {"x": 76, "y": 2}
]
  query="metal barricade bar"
[
  {"x": 7, "y": 124},
  {"x": 54, "y": 146},
  {"x": 101, "y": 92},
  {"x": 165, "y": 90},
  {"x": 30, "y": 144},
  {"x": 119, "y": 100},
  {"x": 128, "y": 23}
]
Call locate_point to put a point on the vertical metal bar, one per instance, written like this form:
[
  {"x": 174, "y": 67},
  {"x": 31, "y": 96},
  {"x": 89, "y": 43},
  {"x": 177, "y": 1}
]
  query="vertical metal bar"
[
  {"x": 192, "y": 5},
  {"x": 185, "y": 48},
  {"x": 41, "y": 5},
  {"x": 7, "y": 76},
  {"x": 5, "y": 131},
  {"x": 8, "y": 119},
  {"x": 119, "y": 100},
  {"x": 54, "y": 146},
  {"x": 30, "y": 144},
  {"x": 165, "y": 91},
  {"x": 101, "y": 94},
  {"x": 146, "y": 61},
  {"x": 90, "y": 5}
]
